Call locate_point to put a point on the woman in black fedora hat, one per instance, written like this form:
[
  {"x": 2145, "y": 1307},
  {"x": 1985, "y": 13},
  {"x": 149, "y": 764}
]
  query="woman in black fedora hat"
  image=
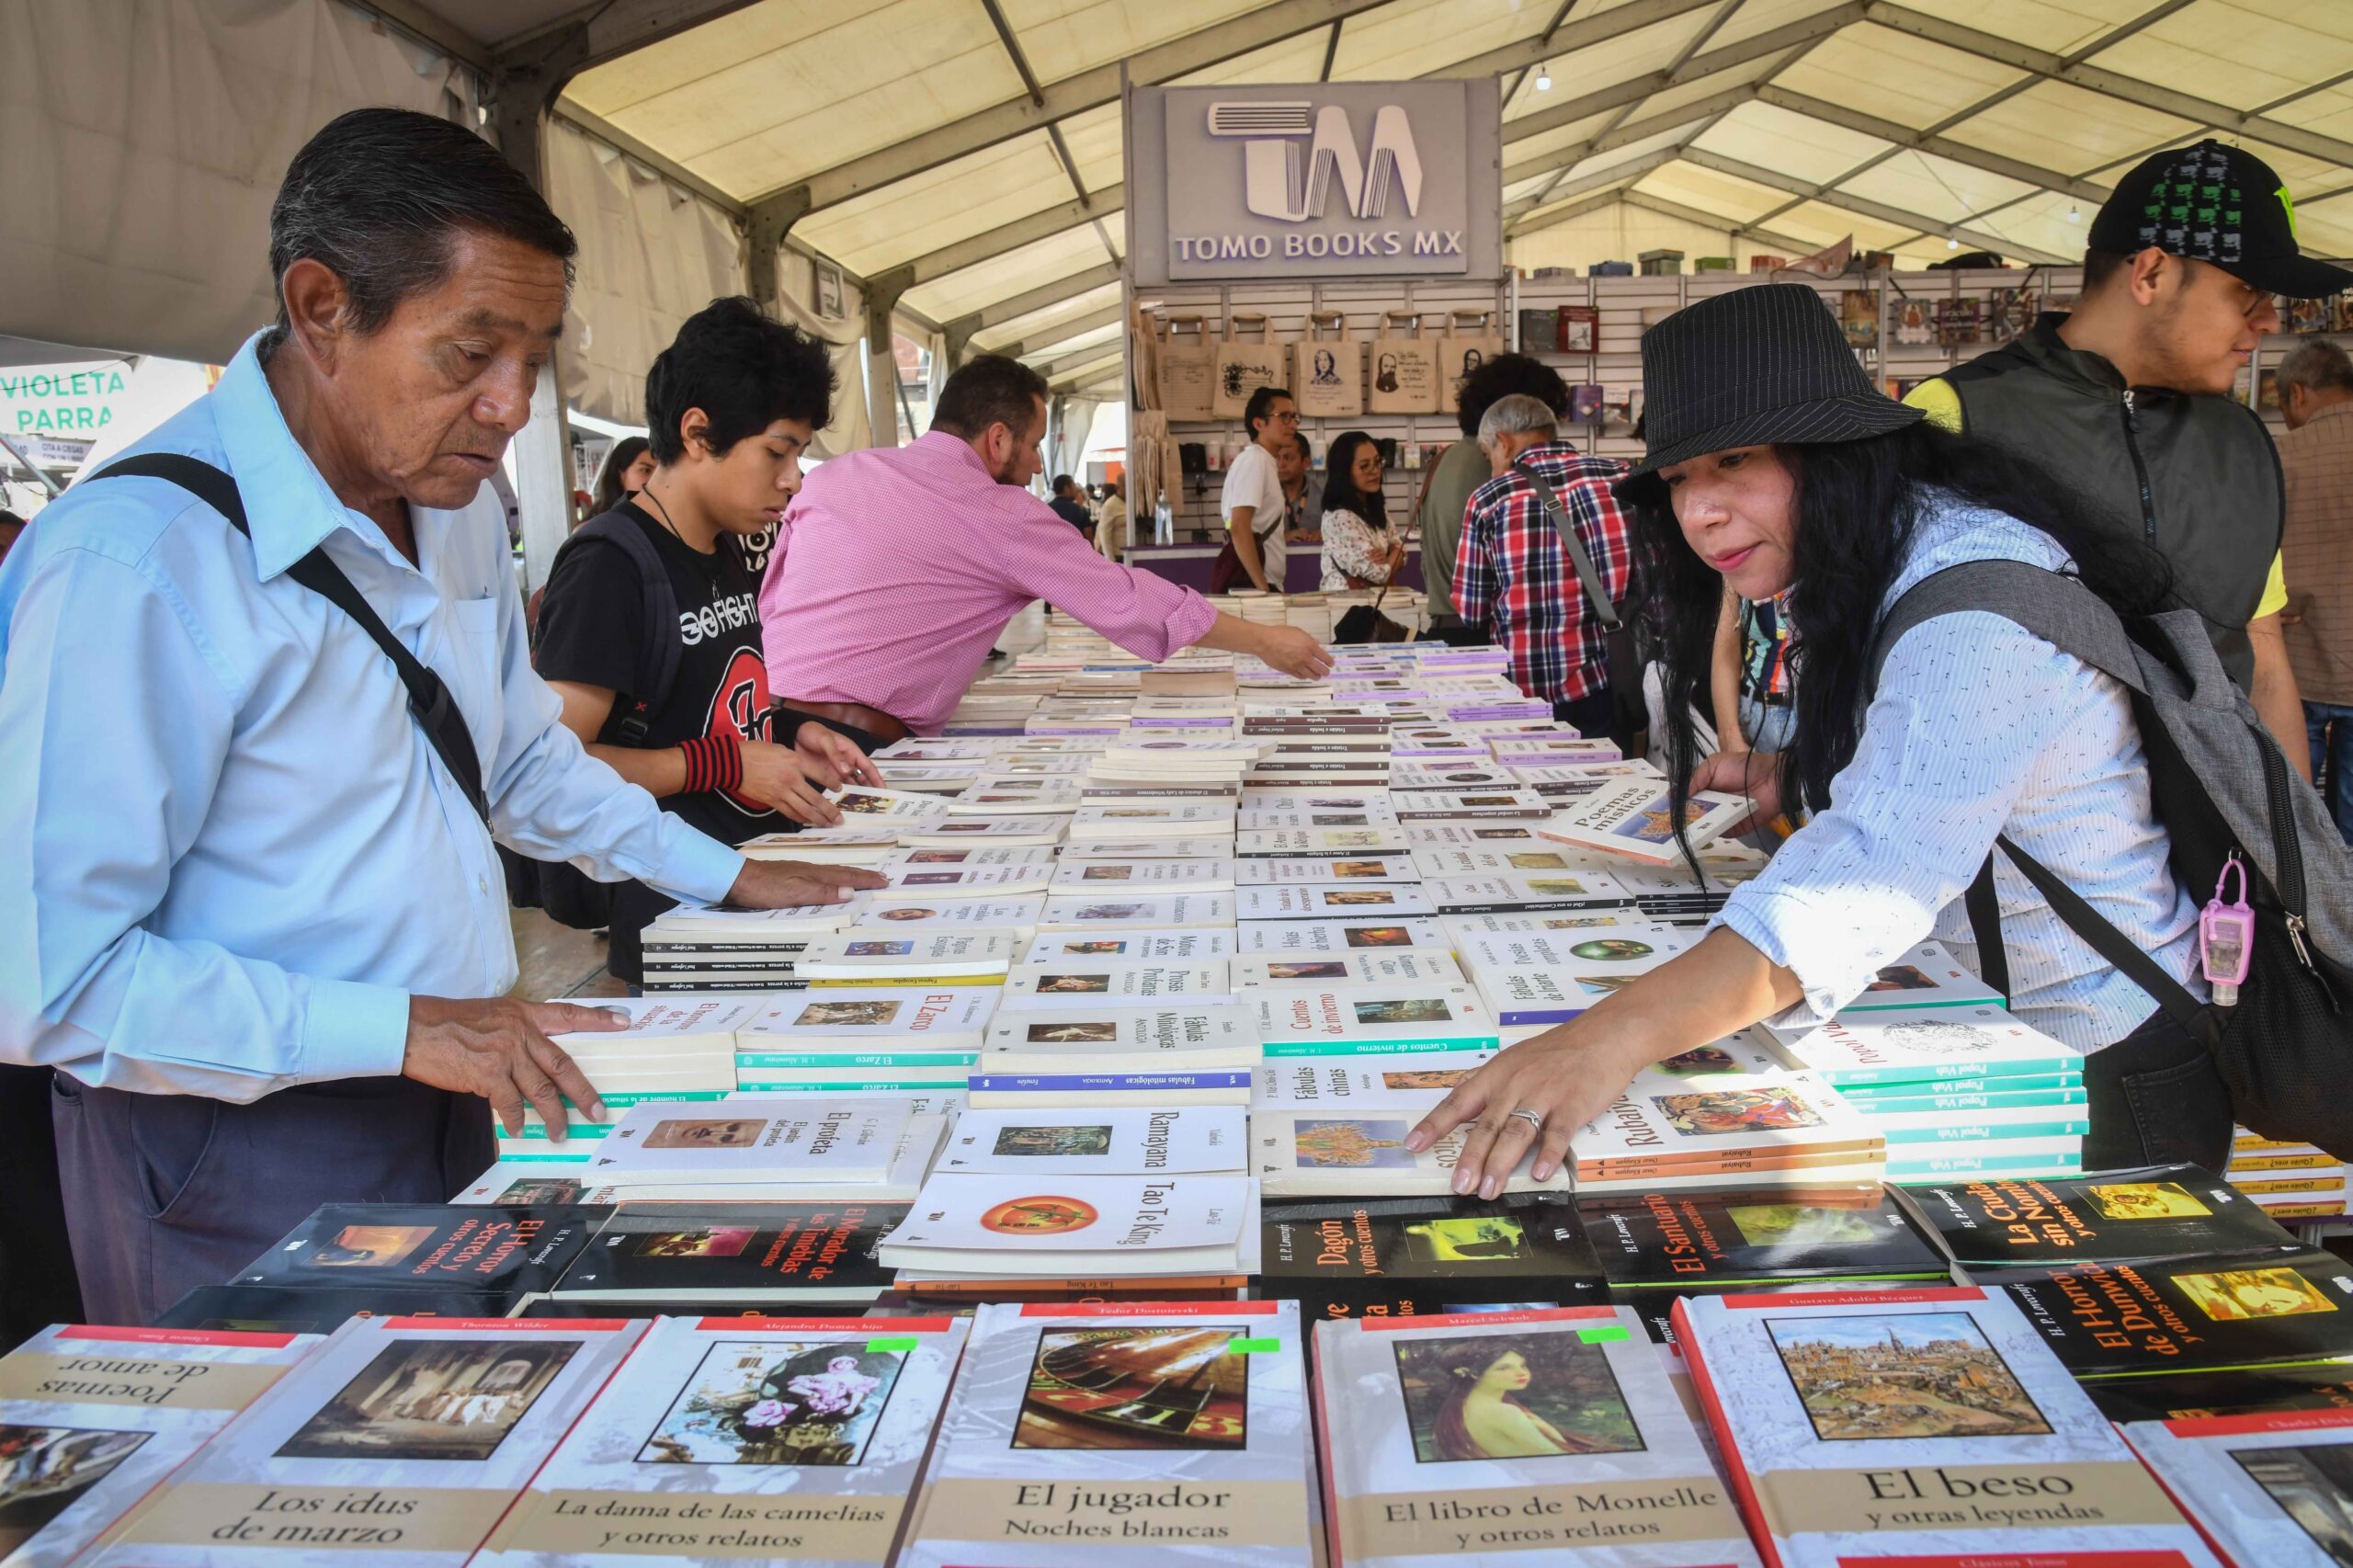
[{"x": 1774, "y": 465}]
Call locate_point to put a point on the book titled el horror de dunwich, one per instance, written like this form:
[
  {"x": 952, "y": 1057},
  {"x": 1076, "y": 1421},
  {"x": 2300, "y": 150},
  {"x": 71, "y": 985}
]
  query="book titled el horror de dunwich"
[
  {"x": 727, "y": 1439},
  {"x": 1489, "y": 1439},
  {"x": 2145, "y": 1215},
  {"x": 398, "y": 1440},
  {"x": 1157, "y": 1434},
  {"x": 1931, "y": 1426}
]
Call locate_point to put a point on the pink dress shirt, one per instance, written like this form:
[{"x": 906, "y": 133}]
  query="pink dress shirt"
[{"x": 898, "y": 568}]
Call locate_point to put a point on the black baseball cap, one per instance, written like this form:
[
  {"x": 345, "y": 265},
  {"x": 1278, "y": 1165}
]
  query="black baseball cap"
[{"x": 2219, "y": 205}]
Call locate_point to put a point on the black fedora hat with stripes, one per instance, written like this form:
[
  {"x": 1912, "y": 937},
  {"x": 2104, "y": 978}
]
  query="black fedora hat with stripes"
[{"x": 1760, "y": 366}]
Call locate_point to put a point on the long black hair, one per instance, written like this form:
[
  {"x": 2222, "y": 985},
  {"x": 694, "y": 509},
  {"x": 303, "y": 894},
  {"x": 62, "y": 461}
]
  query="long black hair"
[
  {"x": 1855, "y": 505},
  {"x": 610, "y": 494},
  {"x": 1340, "y": 490}
]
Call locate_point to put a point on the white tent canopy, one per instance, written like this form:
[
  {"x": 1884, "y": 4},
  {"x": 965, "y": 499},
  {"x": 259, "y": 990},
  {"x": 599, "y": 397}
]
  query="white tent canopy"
[{"x": 963, "y": 157}]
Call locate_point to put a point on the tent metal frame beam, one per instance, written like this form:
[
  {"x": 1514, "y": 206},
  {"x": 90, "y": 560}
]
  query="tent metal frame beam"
[
  {"x": 1567, "y": 37},
  {"x": 1030, "y": 301},
  {"x": 1908, "y": 140},
  {"x": 1626, "y": 135},
  {"x": 1599, "y": 179},
  {"x": 990, "y": 243},
  {"x": 1697, "y": 41},
  {"x": 1092, "y": 370},
  {"x": 1706, "y": 219},
  {"x": 1063, "y": 364},
  {"x": 1077, "y": 326},
  {"x": 1593, "y": 203},
  {"x": 1862, "y": 205},
  {"x": 2109, "y": 83}
]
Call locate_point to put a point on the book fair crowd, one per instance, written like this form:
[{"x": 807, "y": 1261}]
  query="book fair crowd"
[{"x": 1789, "y": 1025}]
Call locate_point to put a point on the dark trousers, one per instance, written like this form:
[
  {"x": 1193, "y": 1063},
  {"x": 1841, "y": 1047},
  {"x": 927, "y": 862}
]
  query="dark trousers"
[
  {"x": 167, "y": 1192},
  {"x": 2155, "y": 1098},
  {"x": 36, "y": 1286},
  {"x": 1589, "y": 715}
]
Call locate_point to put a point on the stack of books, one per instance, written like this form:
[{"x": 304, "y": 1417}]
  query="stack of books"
[
  {"x": 2293, "y": 1181},
  {"x": 1106, "y": 1053},
  {"x": 788, "y": 1145},
  {"x": 692, "y": 949},
  {"x": 1729, "y": 1114},
  {"x": 1957, "y": 1091},
  {"x": 675, "y": 1051},
  {"x": 916, "y": 1040}
]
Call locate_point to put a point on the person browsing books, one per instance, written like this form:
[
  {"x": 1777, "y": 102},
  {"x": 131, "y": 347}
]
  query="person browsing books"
[
  {"x": 897, "y": 569},
  {"x": 1462, "y": 468},
  {"x": 255, "y": 917},
  {"x": 1360, "y": 550},
  {"x": 1774, "y": 466},
  {"x": 1254, "y": 500},
  {"x": 1303, "y": 496},
  {"x": 732, "y": 402}
]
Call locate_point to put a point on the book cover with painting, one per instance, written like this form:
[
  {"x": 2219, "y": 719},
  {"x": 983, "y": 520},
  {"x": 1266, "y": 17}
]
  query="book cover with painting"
[
  {"x": 1309, "y": 811},
  {"x": 1344, "y": 1258},
  {"x": 972, "y": 854},
  {"x": 427, "y": 1247},
  {"x": 1113, "y": 909},
  {"x": 1931, "y": 1423},
  {"x": 1363, "y": 1155},
  {"x": 1562, "y": 1419},
  {"x": 91, "y": 1418},
  {"x": 727, "y": 1248},
  {"x": 1220, "y": 847},
  {"x": 1688, "y": 1115},
  {"x": 864, "y": 804},
  {"x": 1095, "y": 983},
  {"x": 2127, "y": 1216},
  {"x": 1191, "y": 821},
  {"x": 1927, "y": 976},
  {"x": 1020, "y": 914},
  {"x": 1122, "y": 1141},
  {"x": 1360, "y": 966},
  {"x": 1411, "y": 1081},
  {"x": 915, "y": 885},
  {"x": 1424, "y": 835},
  {"x": 1097, "y": 878},
  {"x": 914, "y": 1017},
  {"x": 1676, "y": 1240},
  {"x": 1472, "y": 805},
  {"x": 1201, "y": 945},
  {"x": 1511, "y": 892},
  {"x": 1337, "y": 901},
  {"x": 798, "y": 1438},
  {"x": 1048, "y": 1040},
  {"x": 956, "y": 831},
  {"x": 1331, "y": 870},
  {"x": 1907, "y": 1045},
  {"x": 909, "y": 956},
  {"x": 751, "y": 1139},
  {"x": 1347, "y": 1019},
  {"x": 2188, "y": 1314},
  {"x": 1635, "y": 817},
  {"x": 1050, "y": 1226},
  {"x": 1157, "y": 1434},
  {"x": 403, "y": 1440},
  {"x": 1511, "y": 859},
  {"x": 2268, "y": 1489},
  {"x": 1373, "y": 838},
  {"x": 1268, "y": 937},
  {"x": 1547, "y": 977}
]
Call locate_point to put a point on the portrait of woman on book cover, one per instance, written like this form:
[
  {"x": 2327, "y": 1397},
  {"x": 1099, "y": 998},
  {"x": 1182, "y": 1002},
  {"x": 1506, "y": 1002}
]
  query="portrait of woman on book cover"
[{"x": 1516, "y": 1396}]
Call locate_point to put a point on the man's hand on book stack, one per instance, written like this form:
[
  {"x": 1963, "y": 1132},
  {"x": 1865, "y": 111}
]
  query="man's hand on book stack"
[
  {"x": 787, "y": 884},
  {"x": 499, "y": 1049}
]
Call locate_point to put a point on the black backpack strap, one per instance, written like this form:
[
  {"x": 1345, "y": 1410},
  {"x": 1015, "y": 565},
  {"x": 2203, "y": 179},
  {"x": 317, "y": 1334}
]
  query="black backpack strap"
[
  {"x": 435, "y": 711},
  {"x": 2112, "y": 945},
  {"x": 2052, "y": 606},
  {"x": 1574, "y": 547},
  {"x": 658, "y": 656},
  {"x": 1986, "y": 927}
]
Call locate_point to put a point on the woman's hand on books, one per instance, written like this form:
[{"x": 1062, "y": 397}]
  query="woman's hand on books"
[
  {"x": 834, "y": 759},
  {"x": 1564, "y": 1077},
  {"x": 499, "y": 1049},
  {"x": 790, "y": 884},
  {"x": 1755, "y": 774},
  {"x": 778, "y": 778}
]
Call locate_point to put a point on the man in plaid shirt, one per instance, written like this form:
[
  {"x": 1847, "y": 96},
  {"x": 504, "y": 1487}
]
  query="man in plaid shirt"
[{"x": 1512, "y": 577}]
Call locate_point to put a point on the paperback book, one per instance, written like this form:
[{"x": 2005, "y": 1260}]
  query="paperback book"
[
  {"x": 1217, "y": 848},
  {"x": 2271, "y": 1489},
  {"x": 1138, "y": 1140},
  {"x": 1292, "y": 900},
  {"x": 1472, "y": 805},
  {"x": 2188, "y": 1314},
  {"x": 1405, "y": 1257},
  {"x": 1635, "y": 817},
  {"x": 2130, "y": 1216},
  {"x": 1095, "y": 878},
  {"x": 394, "y": 1247},
  {"x": 1200, "y": 945},
  {"x": 1326, "y": 870},
  {"x": 924, "y": 956},
  {"x": 1115, "y": 909},
  {"x": 790, "y": 1438},
  {"x": 1676, "y": 1240},
  {"x": 1308, "y": 1155},
  {"x": 1927, "y": 976},
  {"x": 1338, "y": 935},
  {"x": 1362, "y": 966},
  {"x": 310, "y": 1309},
  {"x": 1090, "y": 984},
  {"x": 1548, "y": 1436},
  {"x": 1156, "y": 1435},
  {"x": 1049, "y": 1039},
  {"x": 784, "y": 1252},
  {"x": 1411, "y": 1081},
  {"x": 947, "y": 1018},
  {"x": 1320, "y": 841},
  {"x": 1019, "y": 915},
  {"x": 920, "y": 884},
  {"x": 1912, "y": 1045},
  {"x": 1546, "y": 977},
  {"x": 751, "y": 1139},
  {"x": 954, "y": 833},
  {"x": 1058, "y": 1226},
  {"x": 1328, "y": 1021}
]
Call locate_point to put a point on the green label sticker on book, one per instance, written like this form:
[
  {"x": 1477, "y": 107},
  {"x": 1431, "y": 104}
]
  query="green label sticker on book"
[
  {"x": 1604, "y": 1334},
  {"x": 1251, "y": 1347},
  {"x": 876, "y": 1346}
]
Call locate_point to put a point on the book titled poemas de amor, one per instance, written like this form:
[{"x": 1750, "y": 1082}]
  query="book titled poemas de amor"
[
  {"x": 727, "y": 1439},
  {"x": 1157, "y": 1434},
  {"x": 91, "y": 1418},
  {"x": 400, "y": 1439},
  {"x": 1923, "y": 1425},
  {"x": 2272, "y": 1489},
  {"x": 1488, "y": 1439}
]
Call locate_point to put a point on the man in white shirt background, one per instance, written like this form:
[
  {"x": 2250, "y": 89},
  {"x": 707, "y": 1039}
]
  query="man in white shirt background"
[{"x": 1252, "y": 500}]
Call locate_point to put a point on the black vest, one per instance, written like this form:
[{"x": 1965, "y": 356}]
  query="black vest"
[{"x": 2195, "y": 476}]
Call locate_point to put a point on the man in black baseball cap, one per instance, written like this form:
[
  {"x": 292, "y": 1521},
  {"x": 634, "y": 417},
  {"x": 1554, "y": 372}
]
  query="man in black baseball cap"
[{"x": 2129, "y": 396}]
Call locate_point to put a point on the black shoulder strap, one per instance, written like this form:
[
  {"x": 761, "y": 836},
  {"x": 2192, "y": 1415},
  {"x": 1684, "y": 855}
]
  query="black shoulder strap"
[
  {"x": 2054, "y": 607},
  {"x": 428, "y": 699},
  {"x": 658, "y": 657},
  {"x": 2110, "y": 943},
  {"x": 1602, "y": 608}
]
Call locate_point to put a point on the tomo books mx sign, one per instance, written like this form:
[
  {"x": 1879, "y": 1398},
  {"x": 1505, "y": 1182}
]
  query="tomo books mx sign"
[{"x": 1293, "y": 152}]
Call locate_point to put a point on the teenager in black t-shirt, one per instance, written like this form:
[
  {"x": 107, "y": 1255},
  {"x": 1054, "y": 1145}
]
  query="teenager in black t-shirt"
[{"x": 730, "y": 404}]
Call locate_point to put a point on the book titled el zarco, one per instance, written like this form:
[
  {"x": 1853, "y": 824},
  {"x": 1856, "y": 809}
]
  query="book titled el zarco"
[
  {"x": 1144, "y": 1435},
  {"x": 2272, "y": 1491},
  {"x": 797, "y": 1251},
  {"x": 91, "y": 1418},
  {"x": 1917, "y": 1427},
  {"x": 2188, "y": 1314},
  {"x": 727, "y": 1439},
  {"x": 508, "y": 1248},
  {"x": 1408, "y": 1257},
  {"x": 398, "y": 1440},
  {"x": 1504, "y": 1438},
  {"x": 1682, "y": 1239},
  {"x": 2129, "y": 1216}
]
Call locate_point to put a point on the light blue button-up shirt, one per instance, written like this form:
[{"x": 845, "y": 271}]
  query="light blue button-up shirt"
[{"x": 228, "y": 854}]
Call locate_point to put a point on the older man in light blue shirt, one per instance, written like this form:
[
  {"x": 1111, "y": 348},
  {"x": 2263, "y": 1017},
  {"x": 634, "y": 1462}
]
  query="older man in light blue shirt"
[{"x": 247, "y": 911}]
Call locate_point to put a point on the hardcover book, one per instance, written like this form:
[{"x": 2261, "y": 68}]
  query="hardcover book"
[
  {"x": 402, "y": 1438},
  {"x": 1562, "y": 1421},
  {"x": 1676, "y": 1240},
  {"x": 92, "y": 1419},
  {"x": 736, "y": 1251},
  {"x": 2188, "y": 1314},
  {"x": 1338, "y": 935},
  {"x": 1328, "y": 1021},
  {"x": 1931, "y": 1425},
  {"x": 790, "y": 1438},
  {"x": 2131, "y": 1216},
  {"x": 1405, "y": 1257},
  {"x": 1123, "y": 1141},
  {"x": 2271, "y": 1489},
  {"x": 1026, "y": 1226},
  {"x": 425, "y": 1247},
  {"x": 1151, "y": 1435}
]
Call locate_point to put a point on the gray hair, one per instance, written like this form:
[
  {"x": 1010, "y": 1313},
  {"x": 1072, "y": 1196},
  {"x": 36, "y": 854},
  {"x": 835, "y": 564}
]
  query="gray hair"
[
  {"x": 1515, "y": 415},
  {"x": 2316, "y": 363}
]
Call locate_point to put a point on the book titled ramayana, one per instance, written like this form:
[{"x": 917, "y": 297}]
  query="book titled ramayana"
[{"x": 1917, "y": 1427}]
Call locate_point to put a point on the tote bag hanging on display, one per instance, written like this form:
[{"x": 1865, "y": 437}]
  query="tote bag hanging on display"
[
  {"x": 1404, "y": 367},
  {"x": 1187, "y": 369},
  {"x": 1327, "y": 373},
  {"x": 1471, "y": 341},
  {"x": 1246, "y": 360}
]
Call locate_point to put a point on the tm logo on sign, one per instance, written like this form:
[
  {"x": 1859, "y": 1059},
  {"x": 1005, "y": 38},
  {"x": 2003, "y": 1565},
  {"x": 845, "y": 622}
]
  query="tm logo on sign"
[{"x": 1286, "y": 180}]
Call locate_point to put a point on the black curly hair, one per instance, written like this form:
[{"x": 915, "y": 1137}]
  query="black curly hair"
[
  {"x": 1501, "y": 376},
  {"x": 744, "y": 371}
]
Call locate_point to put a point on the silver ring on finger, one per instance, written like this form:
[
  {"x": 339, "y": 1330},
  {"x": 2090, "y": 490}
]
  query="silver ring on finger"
[{"x": 1535, "y": 1119}]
